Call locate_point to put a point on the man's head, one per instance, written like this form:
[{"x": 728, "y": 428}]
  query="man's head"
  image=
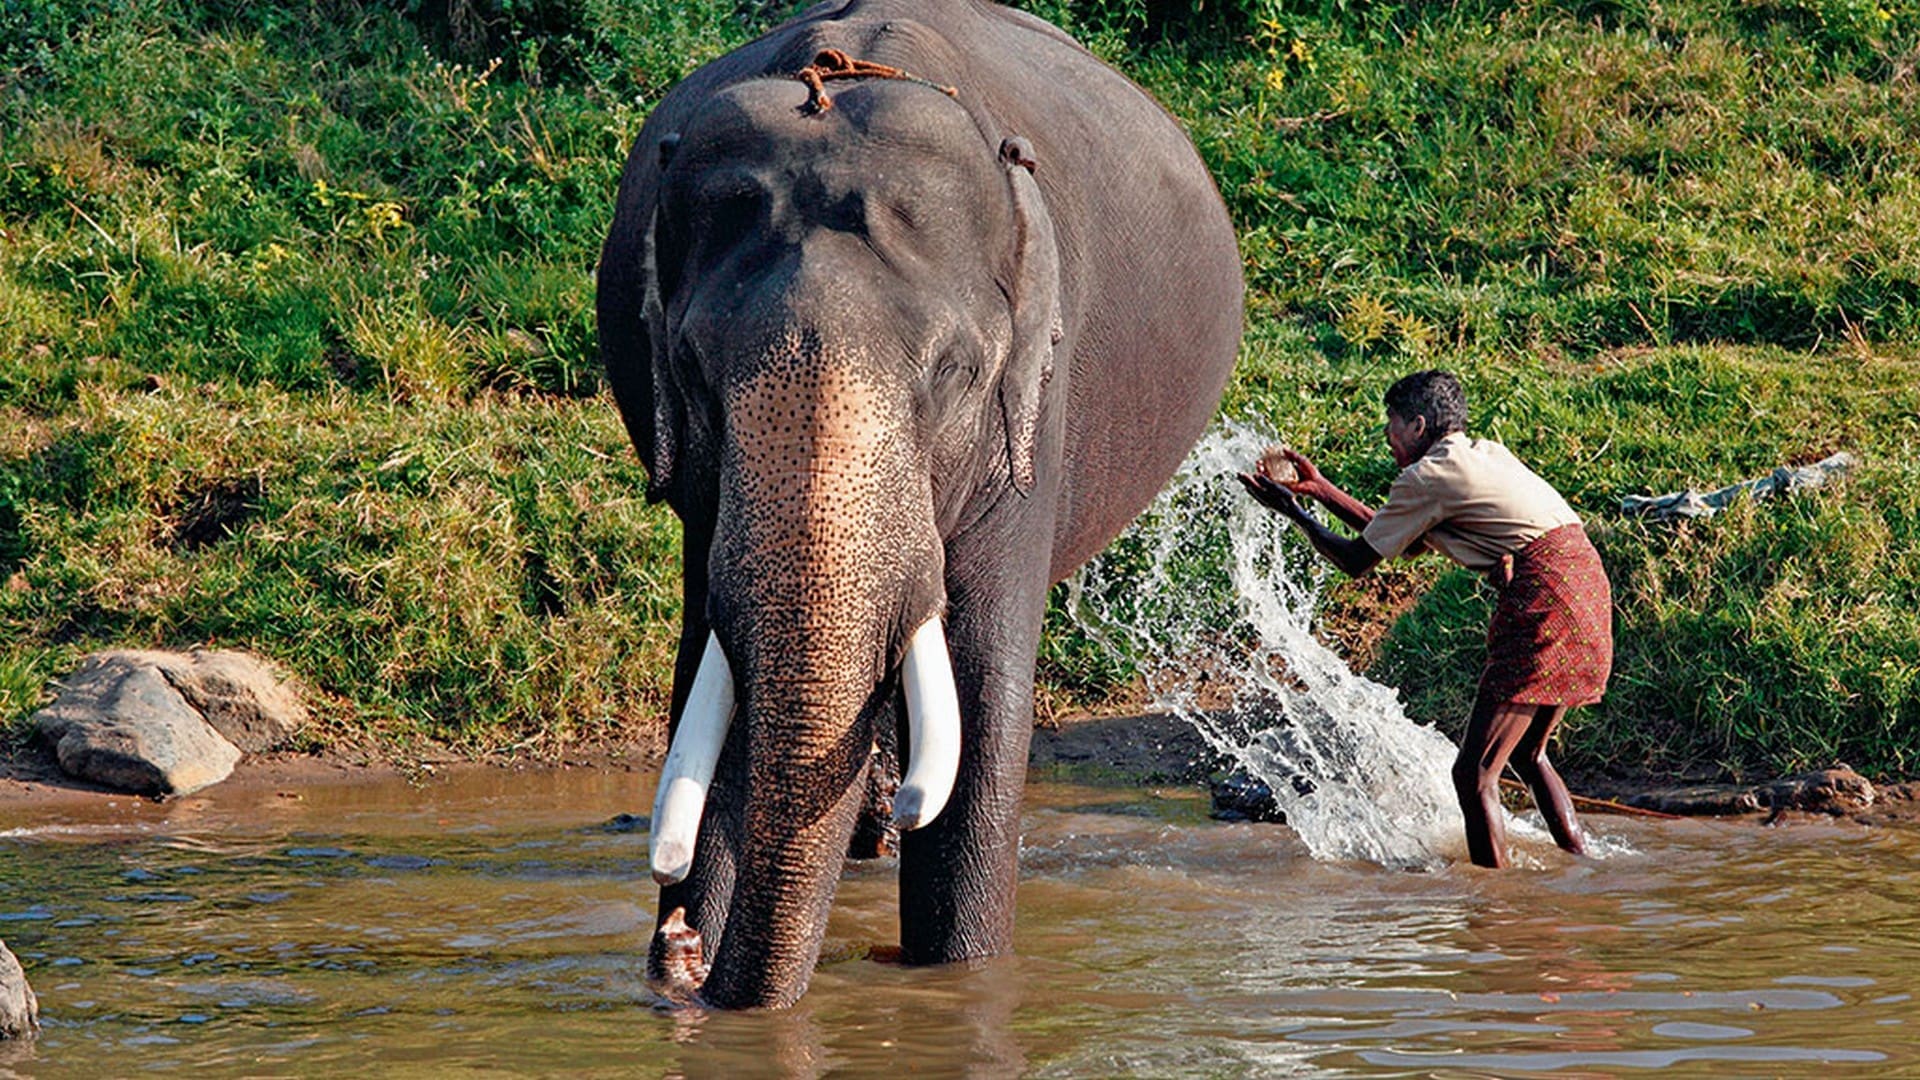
[{"x": 1422, "y": 409}]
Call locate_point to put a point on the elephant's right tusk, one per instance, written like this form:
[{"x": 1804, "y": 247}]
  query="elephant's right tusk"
[
  {"x": 682, "y": 795},
  {"x": 933, "y": 729}
]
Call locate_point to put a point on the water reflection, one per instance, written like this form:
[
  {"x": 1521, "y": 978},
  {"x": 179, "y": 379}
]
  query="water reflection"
[
  {"x": 873, "y": 1019},
  {"x": 500, "y": 928}
]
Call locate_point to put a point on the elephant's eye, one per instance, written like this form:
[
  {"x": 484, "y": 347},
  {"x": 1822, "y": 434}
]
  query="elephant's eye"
[
  {"x": 946, "y": 386},
  {"x": 737, "y": 208},
  {"x": 955, "y": 368},
  {"x": 729, "y": 212}
]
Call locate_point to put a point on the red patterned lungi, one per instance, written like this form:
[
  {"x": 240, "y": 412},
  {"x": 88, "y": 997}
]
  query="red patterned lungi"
[{"x": 1551, "y": 639}]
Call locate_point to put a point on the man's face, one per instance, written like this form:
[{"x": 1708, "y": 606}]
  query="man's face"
[{"x": 1406, "y": 438}]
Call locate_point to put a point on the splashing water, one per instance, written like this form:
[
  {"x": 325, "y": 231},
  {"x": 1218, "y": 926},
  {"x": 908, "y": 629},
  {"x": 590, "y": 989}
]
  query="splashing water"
[{"x": 1215, "y": 596}]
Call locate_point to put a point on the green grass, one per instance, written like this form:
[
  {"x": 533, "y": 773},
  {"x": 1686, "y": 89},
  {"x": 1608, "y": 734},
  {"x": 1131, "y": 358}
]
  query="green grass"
[{"x": 297, "y": 348}]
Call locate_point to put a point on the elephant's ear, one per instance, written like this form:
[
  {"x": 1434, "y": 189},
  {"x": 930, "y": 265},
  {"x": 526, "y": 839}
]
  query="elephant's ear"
[
  {"x": 1036, "y": 314},
  {"x": 669, "y": 409}
]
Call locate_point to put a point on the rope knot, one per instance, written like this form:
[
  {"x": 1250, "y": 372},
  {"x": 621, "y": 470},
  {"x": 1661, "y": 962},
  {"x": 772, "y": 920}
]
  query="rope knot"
[{"x": 834, "y": 64}]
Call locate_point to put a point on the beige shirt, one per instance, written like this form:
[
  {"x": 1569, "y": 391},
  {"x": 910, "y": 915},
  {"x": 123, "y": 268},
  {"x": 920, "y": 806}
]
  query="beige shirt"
[{"x": 1471, "y": 500}]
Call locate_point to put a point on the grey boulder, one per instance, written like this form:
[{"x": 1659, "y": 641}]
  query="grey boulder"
[
  {"x": 19, "y": 1011},
  {"x": 245, "y": 700},
  {"x": 160, "y": 724}
]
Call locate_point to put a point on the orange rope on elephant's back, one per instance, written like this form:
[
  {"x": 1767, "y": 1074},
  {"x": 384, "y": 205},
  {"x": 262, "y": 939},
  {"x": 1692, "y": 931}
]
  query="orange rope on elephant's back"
[{"x": 834, "y": 64}]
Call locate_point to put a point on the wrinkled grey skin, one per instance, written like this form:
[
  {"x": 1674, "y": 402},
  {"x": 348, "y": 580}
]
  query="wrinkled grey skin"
[{"x": 912, "y": 355}]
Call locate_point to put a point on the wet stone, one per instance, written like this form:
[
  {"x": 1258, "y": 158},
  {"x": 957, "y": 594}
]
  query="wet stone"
[
  {"x": 1838, "y": 791},
  {"x": 244, "y": 698},
  {"x": 1240, "y": 797},
  {"x": 164, "y": 723},
  {"x": 627, "y": 823},
  {"x": 19, "y": 1009},
  {"x": 125, "y": 727}
]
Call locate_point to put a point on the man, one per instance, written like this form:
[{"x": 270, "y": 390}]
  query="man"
[{"x": 1550, "y": 645}]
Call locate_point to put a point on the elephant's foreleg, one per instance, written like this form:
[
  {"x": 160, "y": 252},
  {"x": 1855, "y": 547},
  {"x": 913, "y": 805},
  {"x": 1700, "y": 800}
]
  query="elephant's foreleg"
[{"x": 957, "y": 874}]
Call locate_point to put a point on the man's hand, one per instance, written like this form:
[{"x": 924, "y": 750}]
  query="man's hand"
[
  {"x": 1271, "y": 495},
  {"x": 1350, "y": 554},
  {"x": 1307, "y": 478}
]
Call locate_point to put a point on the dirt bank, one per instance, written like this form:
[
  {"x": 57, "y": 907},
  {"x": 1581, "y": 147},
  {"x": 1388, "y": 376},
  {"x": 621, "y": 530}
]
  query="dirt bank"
[{"x": 1124, "y": 750}]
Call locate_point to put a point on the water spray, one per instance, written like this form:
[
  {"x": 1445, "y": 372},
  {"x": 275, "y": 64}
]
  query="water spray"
[{"x": 1215, "y": 597}]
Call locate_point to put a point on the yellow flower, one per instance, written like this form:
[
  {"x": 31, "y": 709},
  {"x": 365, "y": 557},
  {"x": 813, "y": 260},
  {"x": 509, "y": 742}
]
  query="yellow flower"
[{"x": 1276, "y": 78}]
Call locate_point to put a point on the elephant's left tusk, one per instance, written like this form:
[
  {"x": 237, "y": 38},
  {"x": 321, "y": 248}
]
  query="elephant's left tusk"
[
  {"x": 933, "y": 729},
  {"x": 684, "y": 778}
]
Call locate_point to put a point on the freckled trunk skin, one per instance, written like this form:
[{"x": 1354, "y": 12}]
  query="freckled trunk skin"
[
  {"x": 805, "y": 723},
  {"x": 826, "y": 532},
  {"x": 805, "y": 775}
]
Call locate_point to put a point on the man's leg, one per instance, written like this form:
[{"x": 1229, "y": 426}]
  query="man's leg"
[
  {"x": 1493, "y": 732},
  {"x": 1549, "y": 791}
]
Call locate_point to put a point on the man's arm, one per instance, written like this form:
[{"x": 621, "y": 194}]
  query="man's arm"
[
  {"x": 1311, "y": 482},
  {"x": 1345, "y": 507},
  {"x": 1353, "y": 555}
]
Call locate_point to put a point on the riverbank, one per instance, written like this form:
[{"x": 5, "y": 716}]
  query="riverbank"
[{"x": 1143, "y": 750}]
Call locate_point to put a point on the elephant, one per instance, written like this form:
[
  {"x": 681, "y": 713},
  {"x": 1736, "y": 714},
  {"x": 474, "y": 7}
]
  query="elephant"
[{"x": 909, "y": 308}]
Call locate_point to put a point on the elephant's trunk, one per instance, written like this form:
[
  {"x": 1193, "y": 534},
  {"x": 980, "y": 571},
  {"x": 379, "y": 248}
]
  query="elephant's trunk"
[
  {"x": 825, "y": 562},
  {"x": 806, "y": 755}
]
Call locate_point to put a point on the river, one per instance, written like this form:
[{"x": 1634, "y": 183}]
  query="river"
[{"x": 494, "y": 921}]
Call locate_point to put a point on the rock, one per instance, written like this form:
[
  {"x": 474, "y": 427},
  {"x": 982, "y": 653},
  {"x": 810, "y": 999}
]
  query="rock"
[
  {"x": 627, "y": 823},
  {"x": 1150, "y": 749},
  {"x": 121, "y": 723},
  {"x": 167, "y": 723},
  {"x": 244, "y": 699},
  {"x": 1239, "y": 797},
  {"x": 1894, "y": 804},
  {"x": 1838, "y": 791},
  {"x": 19, "y": 1010}
]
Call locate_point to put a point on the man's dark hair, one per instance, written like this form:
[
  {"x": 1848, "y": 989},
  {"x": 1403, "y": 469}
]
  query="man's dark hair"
[{"x": 1435, "y": 395}]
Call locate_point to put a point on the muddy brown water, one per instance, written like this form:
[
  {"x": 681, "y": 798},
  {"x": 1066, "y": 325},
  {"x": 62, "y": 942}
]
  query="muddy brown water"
[{"x": 490, "y": 922}]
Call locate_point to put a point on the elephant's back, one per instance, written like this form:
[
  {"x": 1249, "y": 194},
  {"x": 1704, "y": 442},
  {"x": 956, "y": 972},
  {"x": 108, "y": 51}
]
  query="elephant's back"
[{"x": 1153, "y": 276}]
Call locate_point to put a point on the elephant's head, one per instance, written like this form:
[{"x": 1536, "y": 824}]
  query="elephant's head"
[{"x": 843, "y": 306}]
